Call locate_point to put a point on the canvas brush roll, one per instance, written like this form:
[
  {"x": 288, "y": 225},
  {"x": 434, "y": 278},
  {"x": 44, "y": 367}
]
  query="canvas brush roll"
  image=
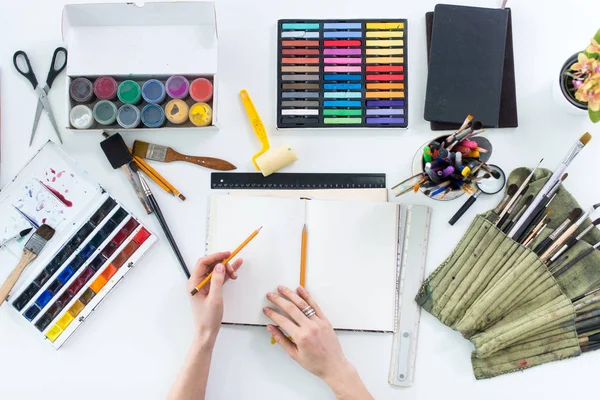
[{"x": 502, "y": 297}]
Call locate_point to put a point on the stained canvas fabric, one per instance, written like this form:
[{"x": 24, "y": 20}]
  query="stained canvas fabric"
[{"x": 503, "y": 298}]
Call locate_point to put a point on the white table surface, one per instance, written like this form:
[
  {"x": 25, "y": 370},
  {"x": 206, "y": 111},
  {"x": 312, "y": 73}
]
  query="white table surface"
[{"x": 134, "y": 345}]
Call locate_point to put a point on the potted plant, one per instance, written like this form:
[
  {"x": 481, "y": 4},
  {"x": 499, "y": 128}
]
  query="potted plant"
[{"x": 580, "y": 79}]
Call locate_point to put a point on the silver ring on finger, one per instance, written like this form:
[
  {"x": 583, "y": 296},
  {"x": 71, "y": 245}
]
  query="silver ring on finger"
[{"x": 309, "y": 312}]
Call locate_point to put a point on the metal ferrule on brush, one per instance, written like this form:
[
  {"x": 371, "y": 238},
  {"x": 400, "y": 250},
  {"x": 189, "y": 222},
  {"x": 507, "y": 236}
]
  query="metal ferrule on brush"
[
  {"x": 560, "y": 229},
  {"x": 35, "y": 244},
  {"x": 587, "y": 214},
  {"x": 145, "y": 186},
  {"x": 574, "y": 151},
  {"x": 156, "y": 152}
]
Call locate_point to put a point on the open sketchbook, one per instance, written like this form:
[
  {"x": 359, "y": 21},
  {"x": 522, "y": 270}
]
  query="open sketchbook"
[{"x": 353, "y": 250}]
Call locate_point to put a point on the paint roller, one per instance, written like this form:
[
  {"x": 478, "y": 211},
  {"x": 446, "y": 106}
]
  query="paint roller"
[{"x": 267, "y": 160}]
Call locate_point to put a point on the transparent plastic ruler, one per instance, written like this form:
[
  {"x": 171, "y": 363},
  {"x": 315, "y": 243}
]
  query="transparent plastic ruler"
[{"x": 413, "y": 237}]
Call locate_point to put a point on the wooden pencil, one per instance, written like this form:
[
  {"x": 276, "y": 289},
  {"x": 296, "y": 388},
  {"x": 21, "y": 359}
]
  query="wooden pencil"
[
  {"x": 153, "y": 174},
  {"x": 224, "y": 262},
  {"x": 303, "y": 258}
]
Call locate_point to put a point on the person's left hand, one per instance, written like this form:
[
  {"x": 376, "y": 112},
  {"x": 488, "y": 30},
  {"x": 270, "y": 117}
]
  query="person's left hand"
[{"x": 207, "y": 304}]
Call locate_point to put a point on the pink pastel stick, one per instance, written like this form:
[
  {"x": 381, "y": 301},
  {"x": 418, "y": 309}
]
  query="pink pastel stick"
[
  {"x": 342, "y": 52},
  {"x": 343, "y": 60},
  {"x": 342, "y": 69}
]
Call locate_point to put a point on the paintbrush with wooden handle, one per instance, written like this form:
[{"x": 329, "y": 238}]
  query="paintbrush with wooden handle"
[
  {"x": 32, "y": 249},
  {"x": 156, "y": 152}
]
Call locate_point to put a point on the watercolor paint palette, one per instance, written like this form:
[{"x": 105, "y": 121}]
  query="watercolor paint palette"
[
  {"x": 342, "y": 73},
  {"x": 96, "y": 243}
]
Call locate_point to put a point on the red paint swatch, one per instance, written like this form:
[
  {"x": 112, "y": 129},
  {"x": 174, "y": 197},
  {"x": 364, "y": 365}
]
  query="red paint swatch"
[
  {"x": 385, "y": 68},
  {"x": 130, "y": 226},
  {"x": 76, "y": 286},
  {"x": 119, "y": 260},
  {"x": 130, "y": 248},
  {"x": 342, "y": 43},
  {"x": 109, "y": 272},
  {"x": 87, "y": 274},
  {"x": 110, "y": 249},
  {"x": 299, "y": 52},
  {"x": 385, "y": 77},
  {"x": 300, "y": 43},
  {"x": 141, "y": 236}
]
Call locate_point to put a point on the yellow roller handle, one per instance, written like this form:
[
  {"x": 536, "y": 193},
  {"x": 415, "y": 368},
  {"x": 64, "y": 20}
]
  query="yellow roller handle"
[{"x": 257, "y": 124}]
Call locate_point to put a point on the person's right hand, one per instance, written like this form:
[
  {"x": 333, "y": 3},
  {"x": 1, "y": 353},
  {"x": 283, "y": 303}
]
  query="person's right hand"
[{"x": 315, "y": 346}]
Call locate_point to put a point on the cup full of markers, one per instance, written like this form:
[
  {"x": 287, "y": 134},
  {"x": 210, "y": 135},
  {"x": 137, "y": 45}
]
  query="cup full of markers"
[
  {"x": 450, "y": 166},
  {"x": 107, "y": 102}
]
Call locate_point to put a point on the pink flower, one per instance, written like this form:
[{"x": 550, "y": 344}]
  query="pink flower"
[{"x": 594, "y": 47}]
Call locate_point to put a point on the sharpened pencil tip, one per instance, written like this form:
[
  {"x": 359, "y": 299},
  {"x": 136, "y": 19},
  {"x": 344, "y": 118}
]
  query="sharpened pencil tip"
[{"x": 258, "y": 230}]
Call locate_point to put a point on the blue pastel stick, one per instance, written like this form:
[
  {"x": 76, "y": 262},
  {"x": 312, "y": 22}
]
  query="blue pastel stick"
[
  {"x": 342, "y": 77},
  {"x": 385, "y": 103},
  {"x": 300, "y": 26},
  {"x": 385, "y": 111},
  {"x": 342, "y": 86},
  {"x": 342, "y": 95},
  {"x": 341, "y": 103},
  {"x": 342, "y": 34},
  {"x": 342, "y": 25}
]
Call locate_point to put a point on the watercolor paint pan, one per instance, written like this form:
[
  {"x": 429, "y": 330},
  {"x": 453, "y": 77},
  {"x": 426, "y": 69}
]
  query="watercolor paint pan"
[
  {"x": 96, "y": 243},
  {"x": 342, "y": 73}
]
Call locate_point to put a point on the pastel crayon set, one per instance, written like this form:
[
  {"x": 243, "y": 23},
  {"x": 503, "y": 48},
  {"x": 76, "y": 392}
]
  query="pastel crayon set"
[
  {"x": 342, "y": 73},
  {"x": 96, "y": 243},
  {"x": 129, "y": 70},
  {"x": 106, "y": 103}
]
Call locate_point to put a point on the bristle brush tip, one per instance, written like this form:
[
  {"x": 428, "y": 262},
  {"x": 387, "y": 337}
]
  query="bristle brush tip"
[
  {"x": 576, "y": 213},
  {"x": 45, "y": 232},
  {"x": 585, "y": 139}
]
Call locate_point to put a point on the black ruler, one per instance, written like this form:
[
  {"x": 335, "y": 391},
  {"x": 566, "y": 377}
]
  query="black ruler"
[{"x": 291, "y": 181}]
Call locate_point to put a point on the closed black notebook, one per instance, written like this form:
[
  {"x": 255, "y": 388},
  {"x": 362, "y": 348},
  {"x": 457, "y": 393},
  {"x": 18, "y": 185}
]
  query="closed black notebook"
[{"x": 471, "y": 67}]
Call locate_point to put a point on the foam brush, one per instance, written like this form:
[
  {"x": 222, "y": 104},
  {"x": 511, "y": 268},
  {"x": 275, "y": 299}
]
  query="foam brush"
[{"x": 554, "y": 179}]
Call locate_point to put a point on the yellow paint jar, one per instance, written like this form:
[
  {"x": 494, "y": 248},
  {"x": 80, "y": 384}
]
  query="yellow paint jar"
[
  {"x": 201, "y": 114},
  {"x": 177, "y": 111}
]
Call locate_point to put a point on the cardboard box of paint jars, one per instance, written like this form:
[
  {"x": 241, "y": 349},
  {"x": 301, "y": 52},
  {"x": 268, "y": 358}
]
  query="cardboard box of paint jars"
[{"x": 134, "y": 67}]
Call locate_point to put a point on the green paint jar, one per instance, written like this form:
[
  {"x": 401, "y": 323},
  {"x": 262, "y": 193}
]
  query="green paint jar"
[{"x": 129, "y": 92}]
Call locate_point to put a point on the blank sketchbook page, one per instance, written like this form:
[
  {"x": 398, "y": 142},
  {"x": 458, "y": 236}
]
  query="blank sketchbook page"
[
  {"x": 272, "y": 258},
  {"x": 466, "y": 64},
  {"x": 351, "y": 256},
  {"x": 351, "y": 262}
]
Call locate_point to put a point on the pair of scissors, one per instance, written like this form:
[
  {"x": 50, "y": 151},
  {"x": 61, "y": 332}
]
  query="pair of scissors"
[{"x": 42, "y": 92}]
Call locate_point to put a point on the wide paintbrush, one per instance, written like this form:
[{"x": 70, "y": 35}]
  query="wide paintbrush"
[
  {"x": 32, "y": 249},
  {"x": 166, "y": 154}
]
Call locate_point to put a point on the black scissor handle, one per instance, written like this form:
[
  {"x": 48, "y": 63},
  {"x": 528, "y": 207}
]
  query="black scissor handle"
[
  {"x": 54, "y": 69},
  {"x": 27, "y": 74}
]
